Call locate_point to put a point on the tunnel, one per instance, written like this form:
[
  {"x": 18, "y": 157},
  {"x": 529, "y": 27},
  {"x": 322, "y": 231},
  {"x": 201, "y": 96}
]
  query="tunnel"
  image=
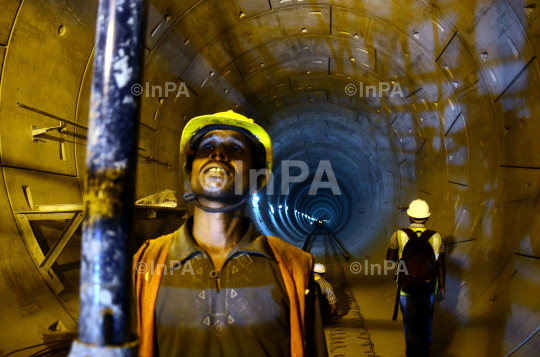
[{"x": 382, "y": 102}]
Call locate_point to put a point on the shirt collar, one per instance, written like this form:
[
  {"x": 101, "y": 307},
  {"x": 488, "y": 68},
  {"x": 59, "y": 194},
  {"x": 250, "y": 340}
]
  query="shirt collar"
[{"x": 184, "y": 246}]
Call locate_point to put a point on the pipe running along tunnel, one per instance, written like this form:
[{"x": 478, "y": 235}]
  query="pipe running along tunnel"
[{"x": 400, "y": 100}]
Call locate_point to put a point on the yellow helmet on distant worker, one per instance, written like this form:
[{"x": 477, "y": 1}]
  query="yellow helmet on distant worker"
[
  {"x": 319, "y": 268},
  {"x": 198, "y": 126},
  {"x": 419, "y": 209}
]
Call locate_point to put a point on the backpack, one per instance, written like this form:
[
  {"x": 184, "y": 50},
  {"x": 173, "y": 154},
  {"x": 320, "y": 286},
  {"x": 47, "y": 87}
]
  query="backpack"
[
  {"x": 420, "y": 262},
  {"x": 422, "y": 268}
]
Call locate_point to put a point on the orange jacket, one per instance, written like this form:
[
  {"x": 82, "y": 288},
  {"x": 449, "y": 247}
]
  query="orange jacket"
[{"x": 295, "y": 266}]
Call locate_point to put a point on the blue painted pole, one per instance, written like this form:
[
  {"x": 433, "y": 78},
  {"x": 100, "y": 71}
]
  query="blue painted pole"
[{"x": 109, "y": 190}]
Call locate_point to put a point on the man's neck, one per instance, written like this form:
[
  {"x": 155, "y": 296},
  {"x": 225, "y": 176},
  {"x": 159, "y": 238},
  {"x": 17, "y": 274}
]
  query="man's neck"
[{"x": 218, "y": 233}]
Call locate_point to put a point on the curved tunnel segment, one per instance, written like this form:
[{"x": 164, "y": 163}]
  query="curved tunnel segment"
[
  {"x": 308, "y": 199},
  {"x": 404, "y": 99}
]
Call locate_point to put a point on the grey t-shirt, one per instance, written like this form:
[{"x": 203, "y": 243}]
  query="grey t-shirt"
[{"x": 248, "y": 316}]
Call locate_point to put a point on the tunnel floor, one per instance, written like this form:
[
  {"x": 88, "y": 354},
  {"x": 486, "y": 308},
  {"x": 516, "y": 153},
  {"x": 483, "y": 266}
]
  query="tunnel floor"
[{"x": 351, "y": 333}]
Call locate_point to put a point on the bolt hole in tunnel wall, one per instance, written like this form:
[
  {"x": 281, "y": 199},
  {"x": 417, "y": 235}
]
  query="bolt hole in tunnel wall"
[{"x": 461, "y": 133}]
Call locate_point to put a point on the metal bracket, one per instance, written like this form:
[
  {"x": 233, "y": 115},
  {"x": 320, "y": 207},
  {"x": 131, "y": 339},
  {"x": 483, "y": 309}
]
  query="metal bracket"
[
  {"x": 36, "y": 131},
  {"x": 23, "y": 221},
  {"x": 74, "y": 214},
  {"x": 61, "y": 242},
  {"x": 40, "y": 131}
]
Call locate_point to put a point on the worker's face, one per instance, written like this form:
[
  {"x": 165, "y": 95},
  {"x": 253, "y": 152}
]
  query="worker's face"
[{"x": 223, "y": 160}]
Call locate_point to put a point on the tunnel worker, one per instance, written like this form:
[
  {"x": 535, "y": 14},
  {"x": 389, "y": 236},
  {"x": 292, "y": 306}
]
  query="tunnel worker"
[
  {"x": 329, "y": 305},
  {"x": 231, "y": 290},
  {"x": 422, "y": 251}
]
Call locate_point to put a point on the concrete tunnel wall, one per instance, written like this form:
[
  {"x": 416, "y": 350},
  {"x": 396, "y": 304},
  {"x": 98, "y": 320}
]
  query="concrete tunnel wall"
[{"x": 463, "y": 137}]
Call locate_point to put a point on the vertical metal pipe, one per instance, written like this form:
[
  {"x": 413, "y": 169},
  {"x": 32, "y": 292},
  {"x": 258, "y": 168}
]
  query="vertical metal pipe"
[{"x": 109, "y": 190}]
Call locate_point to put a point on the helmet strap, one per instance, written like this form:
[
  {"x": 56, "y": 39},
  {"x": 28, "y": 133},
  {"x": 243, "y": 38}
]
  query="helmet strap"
[{"x": 192, "y": 198}]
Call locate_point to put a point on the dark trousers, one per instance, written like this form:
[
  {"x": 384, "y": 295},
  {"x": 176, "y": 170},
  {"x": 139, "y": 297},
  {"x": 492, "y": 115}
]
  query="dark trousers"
[{"x": 417, "y": 313}]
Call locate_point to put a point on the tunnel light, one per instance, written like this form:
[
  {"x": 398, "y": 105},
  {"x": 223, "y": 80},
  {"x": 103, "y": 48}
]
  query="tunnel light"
[
  {"x": 286, "y": 208},
  {"x": 280, "y": 206},
  {"x": 255, "y": 201},
  {"x": 272, "y": 209}
]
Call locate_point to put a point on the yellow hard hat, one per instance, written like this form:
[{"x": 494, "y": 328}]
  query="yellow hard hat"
[
  {"x": 419, "y": 209},
  {"x": 230, "y": 120},
  {"x": 319, "y": 268}
]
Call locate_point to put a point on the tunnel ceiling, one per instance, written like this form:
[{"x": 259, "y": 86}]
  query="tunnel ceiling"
[
  {"x": 287, "y": 64},
  {"x": 463, "y": 135}
]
